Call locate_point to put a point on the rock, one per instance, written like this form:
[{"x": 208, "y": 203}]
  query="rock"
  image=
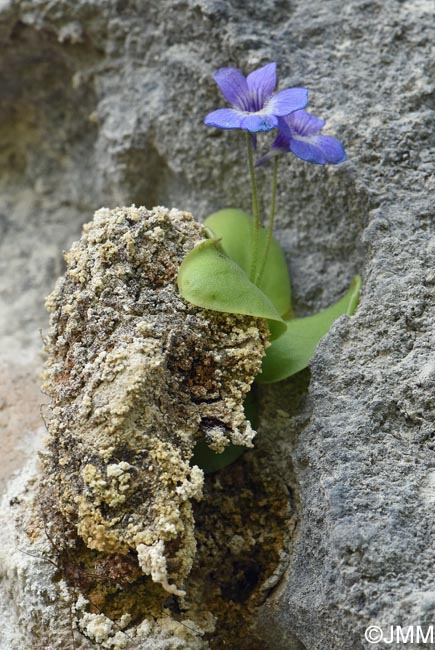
[
  {"x": 102, "y": 104},
  {"x": 137, "y": 377}
]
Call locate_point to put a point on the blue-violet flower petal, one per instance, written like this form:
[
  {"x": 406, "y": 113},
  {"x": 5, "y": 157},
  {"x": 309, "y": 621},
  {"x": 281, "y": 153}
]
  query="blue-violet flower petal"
[
  {"x": 299, "y": 133},
  {"x": 225, "y": 118},
  {"x": 261, "y": 84},
  {"x": 319, "y": 149},
  {"x": 304, "y": 123},
  {"x": 233, "y": 87},
  {"x": 254, "y": 107},
  {"x": 259, "y": 122},
  {"x": 287, "y": 101}
]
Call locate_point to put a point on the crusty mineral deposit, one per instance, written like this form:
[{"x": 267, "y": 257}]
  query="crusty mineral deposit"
[{"x": 136, "y": 377}]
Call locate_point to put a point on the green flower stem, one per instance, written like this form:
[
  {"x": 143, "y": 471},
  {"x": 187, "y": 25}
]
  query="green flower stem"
[
  {"x": 255, "y": 210},
  {"x": 271, "y": 222}
]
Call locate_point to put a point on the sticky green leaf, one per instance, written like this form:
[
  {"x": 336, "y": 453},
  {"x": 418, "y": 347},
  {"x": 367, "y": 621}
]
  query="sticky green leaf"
[
  {"x": 210, "y": 279},
  {"x": 235, "y": 229},
  {"x": 292, "y": 351}
]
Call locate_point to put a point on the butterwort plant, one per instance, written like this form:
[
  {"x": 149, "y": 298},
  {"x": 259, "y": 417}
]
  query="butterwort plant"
[{"x": 241, "y": 268}]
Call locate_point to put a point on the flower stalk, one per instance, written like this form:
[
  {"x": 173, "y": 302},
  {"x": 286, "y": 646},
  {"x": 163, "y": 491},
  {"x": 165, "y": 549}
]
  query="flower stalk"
[
  {"x": 271, "y": 223},
  {"x": 255, "y": 210}
]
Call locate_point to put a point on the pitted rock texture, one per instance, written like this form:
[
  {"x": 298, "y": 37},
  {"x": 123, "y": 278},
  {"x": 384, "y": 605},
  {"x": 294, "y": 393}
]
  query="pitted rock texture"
[
  {"x": 136, "y": 377},
  {"x": 102, "y": 104}
]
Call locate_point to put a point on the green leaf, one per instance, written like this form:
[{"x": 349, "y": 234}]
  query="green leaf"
[
  {"x": 292, "y": 351},
  {"x": 235, "y": 228},
  {"x": 208, "y": 278},
  {"x": 209, "y": 461}
]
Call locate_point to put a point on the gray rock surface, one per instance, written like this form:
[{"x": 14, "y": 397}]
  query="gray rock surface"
[{"x": 101, "y": 104}]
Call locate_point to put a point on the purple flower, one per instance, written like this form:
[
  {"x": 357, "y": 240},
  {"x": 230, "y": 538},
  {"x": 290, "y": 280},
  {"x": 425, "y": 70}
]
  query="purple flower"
[
  {"x": 300, "y": 134},
  {"x": 254, "y": 106}
]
